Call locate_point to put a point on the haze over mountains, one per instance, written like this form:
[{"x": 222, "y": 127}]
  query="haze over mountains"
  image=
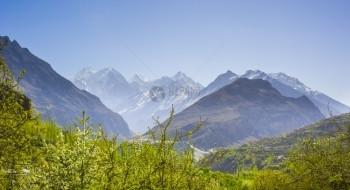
[
  {"x": 56, "y": 97},
  {"x": 237, "y": 108},
  {"x": 137, "y": 108},
  {"x": 134, "y": 103}
]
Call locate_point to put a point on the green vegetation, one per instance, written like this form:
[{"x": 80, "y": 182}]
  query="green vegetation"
[
  {"x": 37, "y": 154},
  {"x": 322, "y": 163},
  {"x": 15, "y": 116},
  {"x": 270, "y": 153},
  {"x": 314, "y": 157}
]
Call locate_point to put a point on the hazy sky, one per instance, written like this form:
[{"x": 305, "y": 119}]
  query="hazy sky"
[{"x": 306, "y": 39}]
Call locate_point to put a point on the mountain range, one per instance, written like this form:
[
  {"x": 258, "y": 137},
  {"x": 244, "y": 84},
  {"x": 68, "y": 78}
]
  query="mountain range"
[
  {"x": 292, "y": 87},
  {"x": 135, "y": 103},
  {"x": 56, "y": 97},
  {"x": 140, "y": 101},
  {"x": 180, "y": 91}
]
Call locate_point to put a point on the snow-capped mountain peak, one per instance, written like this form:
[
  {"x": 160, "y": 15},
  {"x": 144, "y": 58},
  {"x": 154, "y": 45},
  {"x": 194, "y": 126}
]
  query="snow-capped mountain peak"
[
  {"x": 84, "y": 73},
  {"x": 179, "y": 75},
  {"x": 138, "y": 78},
  {"x": 254, "y": 74},
  {"x": 108, "y": 84},
  {"x": 132, "y": 99},
  {"x": 181, "y": 79},
  {"x": 139, "y": 82},
  {"x": 107, "y": 71},
  {"x": 229, "y": 74},
  {"x": 109, "y": 74},
  {"x": 292, "y": 87},
  {"x": 220, "y": 81},
  {"x": 291, "y": 81}
]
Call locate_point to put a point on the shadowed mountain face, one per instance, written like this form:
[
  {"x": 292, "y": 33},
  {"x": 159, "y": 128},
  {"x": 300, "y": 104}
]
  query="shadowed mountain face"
[
  {"x": 56, "y": 97},
  {"x": 245, "y": 110}
]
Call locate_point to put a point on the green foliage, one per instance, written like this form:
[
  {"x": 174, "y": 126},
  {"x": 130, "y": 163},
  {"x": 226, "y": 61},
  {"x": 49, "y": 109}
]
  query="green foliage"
[
  {"x": 270, "y": 153},
  {"x": 68, "y": 164},
  {"x": 315, "y": 163},
  {"x": 231, "y": 181},
  {"x": 37, "y": 154},
  {"x": 151, "y": 163},
  {"x": 271, "y": 180},
  {"x": 15, "y": 114},
  {"x": 322, "y": 163},
  {"x": 85, "y": 159}
]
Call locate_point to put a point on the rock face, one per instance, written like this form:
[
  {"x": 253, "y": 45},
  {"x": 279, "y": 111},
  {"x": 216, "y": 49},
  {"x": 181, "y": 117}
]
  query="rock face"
[
  {"x": 245, "y": 110},
  {"x": 56, "y": 97}
]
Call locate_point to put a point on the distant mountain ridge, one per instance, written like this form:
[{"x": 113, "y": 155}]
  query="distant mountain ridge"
[
  {"x": 176, "y": 89},
  {"x": 181, "y": 91},
  {"x": 132, "y": 98},
  {"x": 292, "y": 87},
  {"x": 108, "y": 84},
  {"x": 56, "y": 97},
  {"x": 244, "y": 110},
  {"x": 286, "y": 85}
]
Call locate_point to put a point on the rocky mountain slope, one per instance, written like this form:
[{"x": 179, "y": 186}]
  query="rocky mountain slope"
[
  {"x": 56, "y": 97},
  {"x": 245, "y": 110}
]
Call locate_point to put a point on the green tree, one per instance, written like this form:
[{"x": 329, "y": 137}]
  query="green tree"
[
  {"x": 271, "y": 180},
  {"x": 69, "y": 163},
  {"x": 152, "y": 163},
  {"x": 37, "y": 155},
  {"x": 15, "y": 113},
  {"x": 322, "y": 163},
  {"x": 84, "y": 159}
]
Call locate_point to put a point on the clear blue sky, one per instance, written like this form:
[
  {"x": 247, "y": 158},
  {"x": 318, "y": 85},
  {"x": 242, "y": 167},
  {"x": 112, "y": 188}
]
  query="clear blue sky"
[{"x": 306, "y": 39}]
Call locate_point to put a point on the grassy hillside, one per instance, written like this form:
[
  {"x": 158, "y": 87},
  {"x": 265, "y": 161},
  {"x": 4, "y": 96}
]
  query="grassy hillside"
[{"x": 269, "y": 153}]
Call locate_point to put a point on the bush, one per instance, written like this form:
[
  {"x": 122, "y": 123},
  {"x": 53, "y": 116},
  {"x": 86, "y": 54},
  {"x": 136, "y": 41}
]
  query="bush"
[
  {"x": 322, "y": 163},
  {"x": 270, "y": 180}
]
